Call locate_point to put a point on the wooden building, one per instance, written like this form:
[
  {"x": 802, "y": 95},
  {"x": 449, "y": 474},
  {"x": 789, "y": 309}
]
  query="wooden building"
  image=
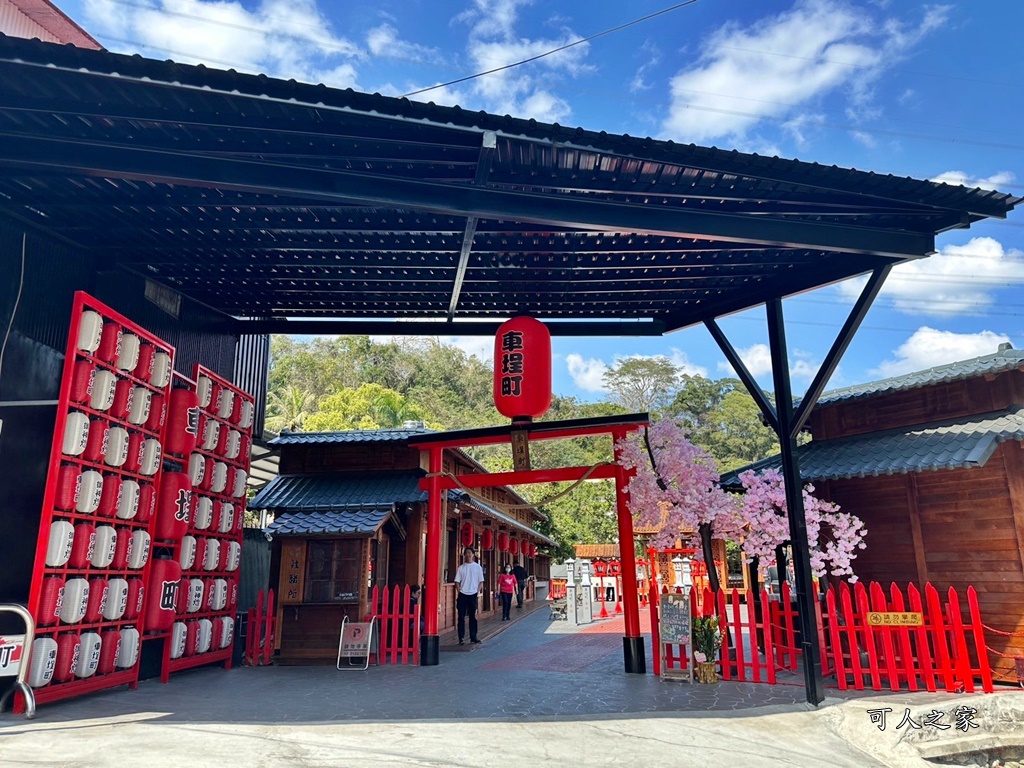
[
  {"x": 933, "y": 463},
  {"x": 349, "y": 515}
]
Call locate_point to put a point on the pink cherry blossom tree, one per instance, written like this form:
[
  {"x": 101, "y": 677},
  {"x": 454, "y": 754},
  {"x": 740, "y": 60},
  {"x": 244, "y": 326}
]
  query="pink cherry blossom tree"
[
  {"x": 832, "y": 535},
  {"x": 675, "y": 488}
]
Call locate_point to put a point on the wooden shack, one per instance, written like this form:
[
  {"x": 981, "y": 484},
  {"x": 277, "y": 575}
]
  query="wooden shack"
[
  {"x": 349, "y": 514},
  {"x": 933, "y": 463}
]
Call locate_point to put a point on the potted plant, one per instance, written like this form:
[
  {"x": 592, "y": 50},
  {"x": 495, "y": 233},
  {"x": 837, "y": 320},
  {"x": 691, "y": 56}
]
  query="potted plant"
[{"x": 707, "y": 640}]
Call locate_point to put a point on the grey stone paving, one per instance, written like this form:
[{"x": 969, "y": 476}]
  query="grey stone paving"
[{"x": 471, "y": 710}]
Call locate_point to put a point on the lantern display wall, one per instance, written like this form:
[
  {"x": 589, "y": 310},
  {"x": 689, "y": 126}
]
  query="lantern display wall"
[
  {"x": 96, "y": 530},
  {"x": 208, "y": 550},
  {"x": 111, "y": 514}
]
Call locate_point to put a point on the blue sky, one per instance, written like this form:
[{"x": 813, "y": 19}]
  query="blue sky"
[{"x": 932, "y": 91}]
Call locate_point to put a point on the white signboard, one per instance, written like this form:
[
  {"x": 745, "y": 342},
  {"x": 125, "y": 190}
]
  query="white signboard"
[{"x": 12, "y": 648}]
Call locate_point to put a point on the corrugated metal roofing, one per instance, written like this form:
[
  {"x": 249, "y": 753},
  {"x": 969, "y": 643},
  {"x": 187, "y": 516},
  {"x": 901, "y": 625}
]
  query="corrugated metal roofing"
[
  {"x": 360, "y": 520},
  {"x": 280, "y": 202},
  {"x": 349, "y": 436},
  {"x": 954, "y": 444},
  {"x": 1004, "y": 360}
]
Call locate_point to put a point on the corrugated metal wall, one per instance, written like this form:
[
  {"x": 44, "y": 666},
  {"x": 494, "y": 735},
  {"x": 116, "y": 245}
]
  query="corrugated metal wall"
[
  {"x": 255, "y": 567},
  {"x": 252, "y": 373}
]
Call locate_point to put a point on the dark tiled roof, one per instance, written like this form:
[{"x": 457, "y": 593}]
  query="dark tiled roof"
[
  {"x": 1003, "y": 360},
  {"x": 340, "y": 489},
  {"x": 356, "y": 520},
  {"x": 956, "y": 444},
  {"x": 349, "y": 436}
]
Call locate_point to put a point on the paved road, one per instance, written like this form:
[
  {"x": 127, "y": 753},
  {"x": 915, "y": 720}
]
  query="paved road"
[{"x": 539, "y": 693}]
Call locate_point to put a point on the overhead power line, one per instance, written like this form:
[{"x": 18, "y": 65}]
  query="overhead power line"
[{"x": 553, "y": 50}]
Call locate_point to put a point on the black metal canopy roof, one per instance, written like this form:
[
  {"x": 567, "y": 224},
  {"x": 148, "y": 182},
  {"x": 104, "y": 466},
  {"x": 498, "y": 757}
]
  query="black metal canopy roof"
[{"x": 276, "y": 201}]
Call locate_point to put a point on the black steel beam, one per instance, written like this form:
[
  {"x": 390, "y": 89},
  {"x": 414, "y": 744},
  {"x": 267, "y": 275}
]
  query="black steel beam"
[
  {"x": 483, "y": 169},
  {"x": 767, "y": 409},
  {"x": 193, "y": 169},
  {"x": 476, "y": 328},
  {"x": 839, "y": 347},
  {"x": 806, "y": 598}
]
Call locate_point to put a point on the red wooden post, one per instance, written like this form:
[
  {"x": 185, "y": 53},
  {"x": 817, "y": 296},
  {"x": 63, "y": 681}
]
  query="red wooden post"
[
  {"x": 431, "y": 651},
  {"x": 884, "y": 634},
  {"x": 736, "y": 622},
  {"x": 719, "y": 608},
  {"x": 939, "y": 640},
  {"x": 924, "y": 654},
  {"x": 850, "y": 616},
  {"x": 861, "y": 598},
  {"x": 961, "y": 658},
  {"x": 652, "y": 607},
  {"x": 632, "y": 645},
  {"x": 837, "y": 642},
  {"x": 768, "y": 640},
  {"x": 819, "y": 622},
  {"x": 979, "y": 640},
  {"x": 907, "y": 661}
]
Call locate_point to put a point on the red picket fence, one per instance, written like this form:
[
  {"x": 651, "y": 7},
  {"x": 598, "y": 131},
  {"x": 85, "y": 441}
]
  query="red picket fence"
[
  {"x": 398, "y": 624},
  {"x": 943, "y": 653},
  {"x": 557, "y": 589},
  {"x": 261, "y": 630},
  {"x": 947, "y": 652}
]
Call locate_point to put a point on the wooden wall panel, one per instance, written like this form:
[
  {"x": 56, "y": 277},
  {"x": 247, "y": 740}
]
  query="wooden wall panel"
[{"x": 917, "y": 406}]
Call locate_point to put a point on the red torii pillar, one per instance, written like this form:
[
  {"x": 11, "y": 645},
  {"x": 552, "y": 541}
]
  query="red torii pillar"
[
  {"x": 632, "y": 642},
  {"x": 430, "y": 643}
]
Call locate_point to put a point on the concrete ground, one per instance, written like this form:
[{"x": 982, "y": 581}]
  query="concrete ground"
[{"x": 535, "y": 692}]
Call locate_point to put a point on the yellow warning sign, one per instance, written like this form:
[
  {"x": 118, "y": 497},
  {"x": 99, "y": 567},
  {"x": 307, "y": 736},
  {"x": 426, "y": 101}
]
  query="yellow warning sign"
[{"x": 894, "y": 619}]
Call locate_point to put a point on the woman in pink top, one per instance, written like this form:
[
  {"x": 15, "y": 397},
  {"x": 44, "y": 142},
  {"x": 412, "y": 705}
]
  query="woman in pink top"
[{"x": 506, "y": 588}]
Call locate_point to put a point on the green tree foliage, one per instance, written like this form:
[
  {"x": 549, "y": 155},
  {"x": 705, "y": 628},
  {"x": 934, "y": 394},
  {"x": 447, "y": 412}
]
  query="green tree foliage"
[
  {"x": 642, "y": 384},
  {"x": 369, "y": 406},
  {"x": 355, "y": 382}
]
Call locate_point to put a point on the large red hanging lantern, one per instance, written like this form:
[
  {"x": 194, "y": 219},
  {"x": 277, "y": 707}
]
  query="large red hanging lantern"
[
  {"x": 503, "y": 542},
  {"x": 513, "y": 546},
  {"x": 522, "y": 368},
  {"x": 487, "y": 539},
  {"x": 533, "y": 550},
  {"x": 468, "y": 535}
]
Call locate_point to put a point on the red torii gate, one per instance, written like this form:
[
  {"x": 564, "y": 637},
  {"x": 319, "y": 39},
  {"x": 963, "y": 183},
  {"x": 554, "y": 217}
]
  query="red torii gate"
[{"x": 437, "y": 482}]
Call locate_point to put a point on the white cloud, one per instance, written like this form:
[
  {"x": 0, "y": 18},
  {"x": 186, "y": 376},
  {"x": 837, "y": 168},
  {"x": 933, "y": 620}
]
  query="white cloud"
[
  {"x": 995, "y": 181},
  {"x": 928, "y": 348},
  {"x": 785, "y": 62},
  {"x": 758, "y": 360},
  {"x": 481, "y": 347},
  {"x": 681, "y": 361},
  {"x": 525, "y": 91},
  {"x": 281, "y": 38},
  {"x": 587, "y": 374},
  {"x": 960, "y": 279},
  {"x": 384, "y": 41}
]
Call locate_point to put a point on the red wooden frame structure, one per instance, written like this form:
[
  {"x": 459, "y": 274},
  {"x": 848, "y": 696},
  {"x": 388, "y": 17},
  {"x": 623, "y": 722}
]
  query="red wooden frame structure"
[
  {"x": 399, "y": 620},
  {"x": 101, "y": 360},
  {"x": 436, "y": 483},
  {"x": 212, "y": 531}
]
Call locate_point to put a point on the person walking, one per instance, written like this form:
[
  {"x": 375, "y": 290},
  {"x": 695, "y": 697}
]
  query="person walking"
[
  {"x": 468, "y": 579},
  {"x": 521, "y": 576},
  {"x": 506, "y": 588}
]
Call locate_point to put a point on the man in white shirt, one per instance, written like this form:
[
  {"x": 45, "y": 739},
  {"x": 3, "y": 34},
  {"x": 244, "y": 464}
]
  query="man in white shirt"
[{"x": 469, "y": 579}]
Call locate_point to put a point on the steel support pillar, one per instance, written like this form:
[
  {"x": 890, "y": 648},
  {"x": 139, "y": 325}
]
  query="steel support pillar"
[{"x": 805, "y": 592}]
